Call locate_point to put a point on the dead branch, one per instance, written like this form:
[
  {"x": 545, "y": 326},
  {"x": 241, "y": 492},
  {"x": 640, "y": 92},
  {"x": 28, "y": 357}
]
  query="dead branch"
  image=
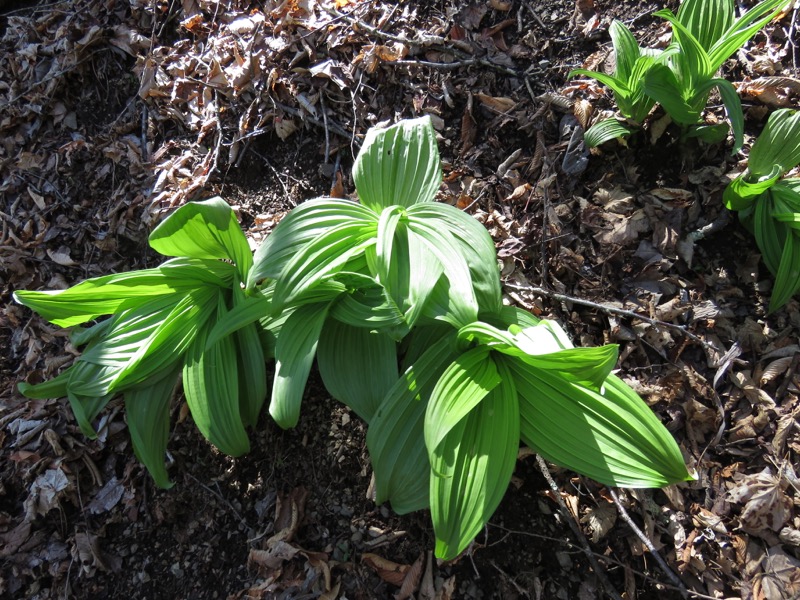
[
  {"x": 646, "y": 541},
  {"x": 608, "y": 588}
]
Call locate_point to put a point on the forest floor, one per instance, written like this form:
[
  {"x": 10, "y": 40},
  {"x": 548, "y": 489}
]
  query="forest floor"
[{"x": 112, "y": 113}]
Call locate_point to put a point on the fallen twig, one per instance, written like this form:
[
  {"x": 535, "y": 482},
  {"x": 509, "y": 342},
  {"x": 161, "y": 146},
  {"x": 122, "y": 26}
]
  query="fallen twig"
[
  {"x": 646, "y": 541},
  {"x": 608, "y": 310},
  {"x": 608, "y": 588}
]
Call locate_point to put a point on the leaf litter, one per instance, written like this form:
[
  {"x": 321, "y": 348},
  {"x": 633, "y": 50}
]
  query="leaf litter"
[{"x": 112, "y": 114}]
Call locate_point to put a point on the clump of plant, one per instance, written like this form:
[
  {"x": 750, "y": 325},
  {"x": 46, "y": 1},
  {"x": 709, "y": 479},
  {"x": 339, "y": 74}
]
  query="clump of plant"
[
  {"x": 398, "y": 299},
  {"x": 705, "y": 33},
  {"x": 158, "y": 328},
  {"x": 769, "y": 206}
]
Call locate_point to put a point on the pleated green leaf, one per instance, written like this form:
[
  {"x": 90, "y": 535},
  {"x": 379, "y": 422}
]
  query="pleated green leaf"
[
  {"x": 111, "y": 294},
  {"x": 369, "y": 307},
  {"x": 147, "y": 414},
  {"x": 294, "y": 355},
  {"x": 706, "y": 20},
  {"x": 777, "y": 148},
  {"x": 733, "y": 108},
  {"x": 252, "y": 368},
  {"x": 604, "y": 131},
  {"x": 395, "y": 437},
  {"x": 741, "y": 30},
  {"x": 398, "y": 165},
  {"x": 207, "y": 229},
  {"x": 462, "y": 386},
  {"x": 770, "y": 236},
  {"x": 612, "y": 437},
  {"x": 211, "y": 385},
  {"x": 321, "y": 258},
  {"x": 472, "y": 467},
  {"x": 301, "y": 227},
  {"x": 462, "y": 300},
  {"x": 358, "y": 366},
  {"x": 470, "y": 239},
  {"x": 787, "y": 279},
  {"x": 740, "y": 194}
]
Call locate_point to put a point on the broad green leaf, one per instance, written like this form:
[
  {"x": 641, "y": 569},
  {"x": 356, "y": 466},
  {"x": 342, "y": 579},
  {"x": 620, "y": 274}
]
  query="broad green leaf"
[
  {"x": 473, "y": 242},
  {"x": 692, "y": 62},
  {"x": 52, "y": 388},
  {"x": 618, "y": 86},
  {"x": 395, "y": 436},
  {"x": 787, "y": 279},
  {"x": 460, "y": 389},
  {"x": 626, "y": 49},
  {"x": 112, "y": 293},
  {"x": 147, "y": 414},
  {"x": 86, "y": 408},
  {"x": 472, "y": 467},
  {"x": 358, "y": 367},
  {"x": 300, "y": 227},
  {"x": 777, "y": 148},
  {"x": 612, "y": 437},
  {"x": 207, "y": 229},
  {"x": 710, "y": 134},
  {"x": 247, "y": 310},
  {"x": 211, "y": 385},
  {"x": 294, "y": 355},
  {"x": 706, "y": 20},
  {"x": 420, "y": 339},
  {"x": 440, "y": 245},
  {"x": 545, "y": 346},
  {"x": 398, "y": 165},
  {"x": 604, "y": 131}
]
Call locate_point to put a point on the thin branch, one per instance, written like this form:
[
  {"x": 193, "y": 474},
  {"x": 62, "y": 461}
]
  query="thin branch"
[
  {"x": 621, "y": 312},
  {"x": 587, "y": 551},
  {"x": 646, "y": 541}
]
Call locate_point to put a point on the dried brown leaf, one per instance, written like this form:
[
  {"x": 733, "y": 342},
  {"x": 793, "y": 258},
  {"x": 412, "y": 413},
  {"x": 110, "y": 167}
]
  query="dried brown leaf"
[
  {"x": 766, "y": 505},
  {"x": 390, "y": 572},
  {"x": 600, "y": 519},
  {"x": 497, "y": 104}
]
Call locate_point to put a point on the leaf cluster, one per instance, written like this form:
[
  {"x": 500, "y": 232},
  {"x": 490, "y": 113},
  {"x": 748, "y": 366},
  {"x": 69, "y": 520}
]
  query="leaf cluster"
[
  {"x": 398, "y": 300},
  {"x": 705, "y": 33},
  {"x": 769, "y": 206}
]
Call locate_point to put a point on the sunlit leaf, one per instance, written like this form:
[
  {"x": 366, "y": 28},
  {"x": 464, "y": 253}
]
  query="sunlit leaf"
[
  {"x": 207, "y": 229},
  {"x": 398, "y": 165},
  {"x": 472, "y": 466}
]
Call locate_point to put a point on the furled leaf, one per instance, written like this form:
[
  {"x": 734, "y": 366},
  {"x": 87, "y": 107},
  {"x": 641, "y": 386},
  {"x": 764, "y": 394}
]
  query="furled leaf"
[
  {"x": 612, "y": 436},
  {"x": 358, "y": 366},
  {"x": 294, "y": 355},
  {"x": 147, "y": 414},
  {"x": 472, "y": 466},
  {"x": 207, "y": 229},
  {"x": 473, "y": 242},
  {"x": 398, "y": 165}
]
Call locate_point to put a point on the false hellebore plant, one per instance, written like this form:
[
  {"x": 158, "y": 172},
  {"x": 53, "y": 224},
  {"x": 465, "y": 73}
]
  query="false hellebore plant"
[
  {"x": 398, "y": 298},
  {"x": 705, "y": 33},
  {"x": 770, "y": 206}
]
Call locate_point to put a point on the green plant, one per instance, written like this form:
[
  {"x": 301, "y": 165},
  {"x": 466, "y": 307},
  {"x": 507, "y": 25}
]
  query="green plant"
[
  {"x": 160, "y": 319},
  {"x": 705, "y": 34},
  {"x": 770, "y": 207},
  {"x": 627, "y": 81},
  {"x": 398, "y": 298},
  {"x": 476, "y": 377}
]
